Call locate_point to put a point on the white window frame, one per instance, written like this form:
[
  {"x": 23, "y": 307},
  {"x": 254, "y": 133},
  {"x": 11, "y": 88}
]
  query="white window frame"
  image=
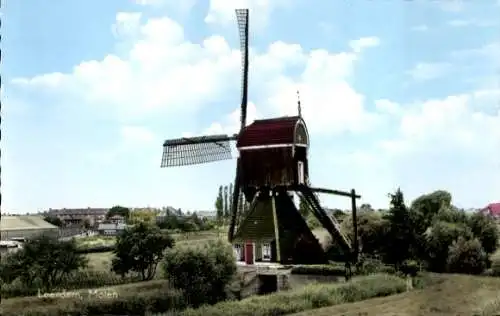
[
  {"x": 266, "y": 249},
  {"x": 300, "y": 170},
  {"x": 238, "y": 252}
]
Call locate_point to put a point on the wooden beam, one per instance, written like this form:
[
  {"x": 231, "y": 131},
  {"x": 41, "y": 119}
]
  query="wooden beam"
[
  {"x": 276, "y": 228},
  {"x": 335, "y": 192},
  {"x": 355, "y": 226}
]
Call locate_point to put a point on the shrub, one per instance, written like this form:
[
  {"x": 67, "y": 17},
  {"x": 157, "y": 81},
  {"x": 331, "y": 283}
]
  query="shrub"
[
  {"x": 410, "y": 267},
  {"x": 76, "y": 280},
  {"x": 319, "y": 269},
  {"x": 495, "y": 268},
  {"x": 95, "y": 249},
  {"x": 310, "y": 297},
  {"x": 202, "y": 273},
  {"x": 368, "y": 266},
  {"x": 466, "y": 256},
  {"x": 43, "y": 262},
  {"x": 138, "y": 299}
]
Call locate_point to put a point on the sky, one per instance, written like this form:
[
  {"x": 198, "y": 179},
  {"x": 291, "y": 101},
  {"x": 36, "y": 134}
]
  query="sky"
[{"x": 394, "y": 93}]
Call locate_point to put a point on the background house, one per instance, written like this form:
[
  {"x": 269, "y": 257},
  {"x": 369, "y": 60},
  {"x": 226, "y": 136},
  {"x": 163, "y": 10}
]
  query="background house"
[
  {"x": 116, "y": 219},
  {"x": 111, "y": 229},
  {"x": 493, "y": 210},
  {"x": 165, "y": 212},
  {"x": 77, "y": 216},
  {"x": 211, "y": 215},
  {"x": 25, "y": 226}
]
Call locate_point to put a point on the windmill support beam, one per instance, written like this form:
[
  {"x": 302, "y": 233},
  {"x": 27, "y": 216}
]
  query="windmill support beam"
[
  {"x": 336, "y": 192},
  {"x": 276, "y": 227}
]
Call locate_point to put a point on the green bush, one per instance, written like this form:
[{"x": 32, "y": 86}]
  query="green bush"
[
  {"x": 319, "y": 269},
  {"x": 410, "y": 267},
  {"x": 466, "y": 256},
  {"x": 76, "y": 280},
  {"x": 495, "y": 268},
  {"x": 202, "y": 273},
  {"x": 138, "y": 299},
  {"x": 310, "y": 297},
  {"x": 367, "y": 266},
  {"x": 95, "y": 249}
]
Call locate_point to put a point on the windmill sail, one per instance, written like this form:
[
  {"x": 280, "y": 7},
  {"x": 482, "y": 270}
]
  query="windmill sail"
[
  {"x": 203, "y": 149},
  {"x": 243, "y": 24},
  {"x": 196, "y": 150}
]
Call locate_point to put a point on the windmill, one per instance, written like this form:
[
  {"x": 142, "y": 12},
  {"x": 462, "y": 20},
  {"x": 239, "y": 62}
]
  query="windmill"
[{"x": 272, "y": 164}]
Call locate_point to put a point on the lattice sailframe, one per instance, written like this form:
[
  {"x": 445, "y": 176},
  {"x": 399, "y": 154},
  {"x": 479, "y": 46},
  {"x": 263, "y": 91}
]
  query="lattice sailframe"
[{"x": 196, "y": 150}]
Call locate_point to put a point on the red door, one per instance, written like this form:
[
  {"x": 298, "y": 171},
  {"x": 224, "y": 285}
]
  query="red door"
[{"x": 249, "y": 253}]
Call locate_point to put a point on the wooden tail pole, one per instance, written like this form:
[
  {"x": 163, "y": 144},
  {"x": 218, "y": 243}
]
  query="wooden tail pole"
[{"x": 354, "y": 225}]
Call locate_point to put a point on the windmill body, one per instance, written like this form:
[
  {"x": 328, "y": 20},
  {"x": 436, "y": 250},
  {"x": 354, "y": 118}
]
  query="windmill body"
[{"x": 271, "y": 166}]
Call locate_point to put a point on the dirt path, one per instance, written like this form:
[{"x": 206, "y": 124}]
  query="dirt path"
[{"x": 457, "y": 296}]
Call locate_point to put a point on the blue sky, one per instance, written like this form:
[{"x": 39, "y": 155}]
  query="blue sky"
[{"x": 395, "y": 93}]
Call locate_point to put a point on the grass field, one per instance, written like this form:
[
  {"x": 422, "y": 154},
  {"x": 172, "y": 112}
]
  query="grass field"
[
  {"x": 102, "y": 261},
  {"x": 457, "y": 295}
]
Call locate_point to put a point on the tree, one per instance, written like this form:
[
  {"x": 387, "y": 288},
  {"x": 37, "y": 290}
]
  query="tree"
[
  {"x": 230, "y": 199},
  {"x": 86, "y": 224},
  {"x": 219, "y": 205},
  {"x": 400, "y": 237},
  {"x": 439, "y": 237},
  {"x": 372, "y": 232},
  {"x": 428, "y": 205},
  {"x": 365, "y": 207},
  {"x": 44, "y": 260},
  {"x": 202, "y": 273},
  {"x": 226, "y": 202},
  {"x": 485, "y": 229},
  {"x": 467, "y": 256},
  {"x": 140, "y": 249},
  {"x": 54, "y": 220},
  {"x": 144, "y": 215},
  {"x": 118, "y": 210}
]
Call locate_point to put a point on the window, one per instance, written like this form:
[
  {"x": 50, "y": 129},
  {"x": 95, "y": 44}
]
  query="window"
[
  {"x": 238, "y": 252},
  {"x": 300, "y": 169},
  {"x": 266, "y": 252}
]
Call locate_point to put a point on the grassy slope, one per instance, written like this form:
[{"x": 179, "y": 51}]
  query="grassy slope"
[{"x": 457, "y": 295}]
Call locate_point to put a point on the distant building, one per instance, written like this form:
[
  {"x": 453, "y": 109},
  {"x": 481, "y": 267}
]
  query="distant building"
[
  {"x": 25, "y": 226},
  {"x": 493, "y": 210},
  {"x": 77, "y": 216},
  {"x": 116, "y": 219},
  {"x": 111, "y": 229},
  {"x": 165, "y": 212},
  {"x": 206, "y": 214}
]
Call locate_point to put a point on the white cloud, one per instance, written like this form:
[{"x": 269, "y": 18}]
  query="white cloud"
[
  {"x": 364, "y": 42},
  {"x": 387, "y": 106},
  {"x": 454, "y": 124},
  {"x": 447, "y": 143},
  {"x": 162, "y": 72},
  {"x": 137, "y": 134},
  {"x": 428, "y": 71},
  {"x": 127, "y": 24},
  {"x": 166, "y": 73}
]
